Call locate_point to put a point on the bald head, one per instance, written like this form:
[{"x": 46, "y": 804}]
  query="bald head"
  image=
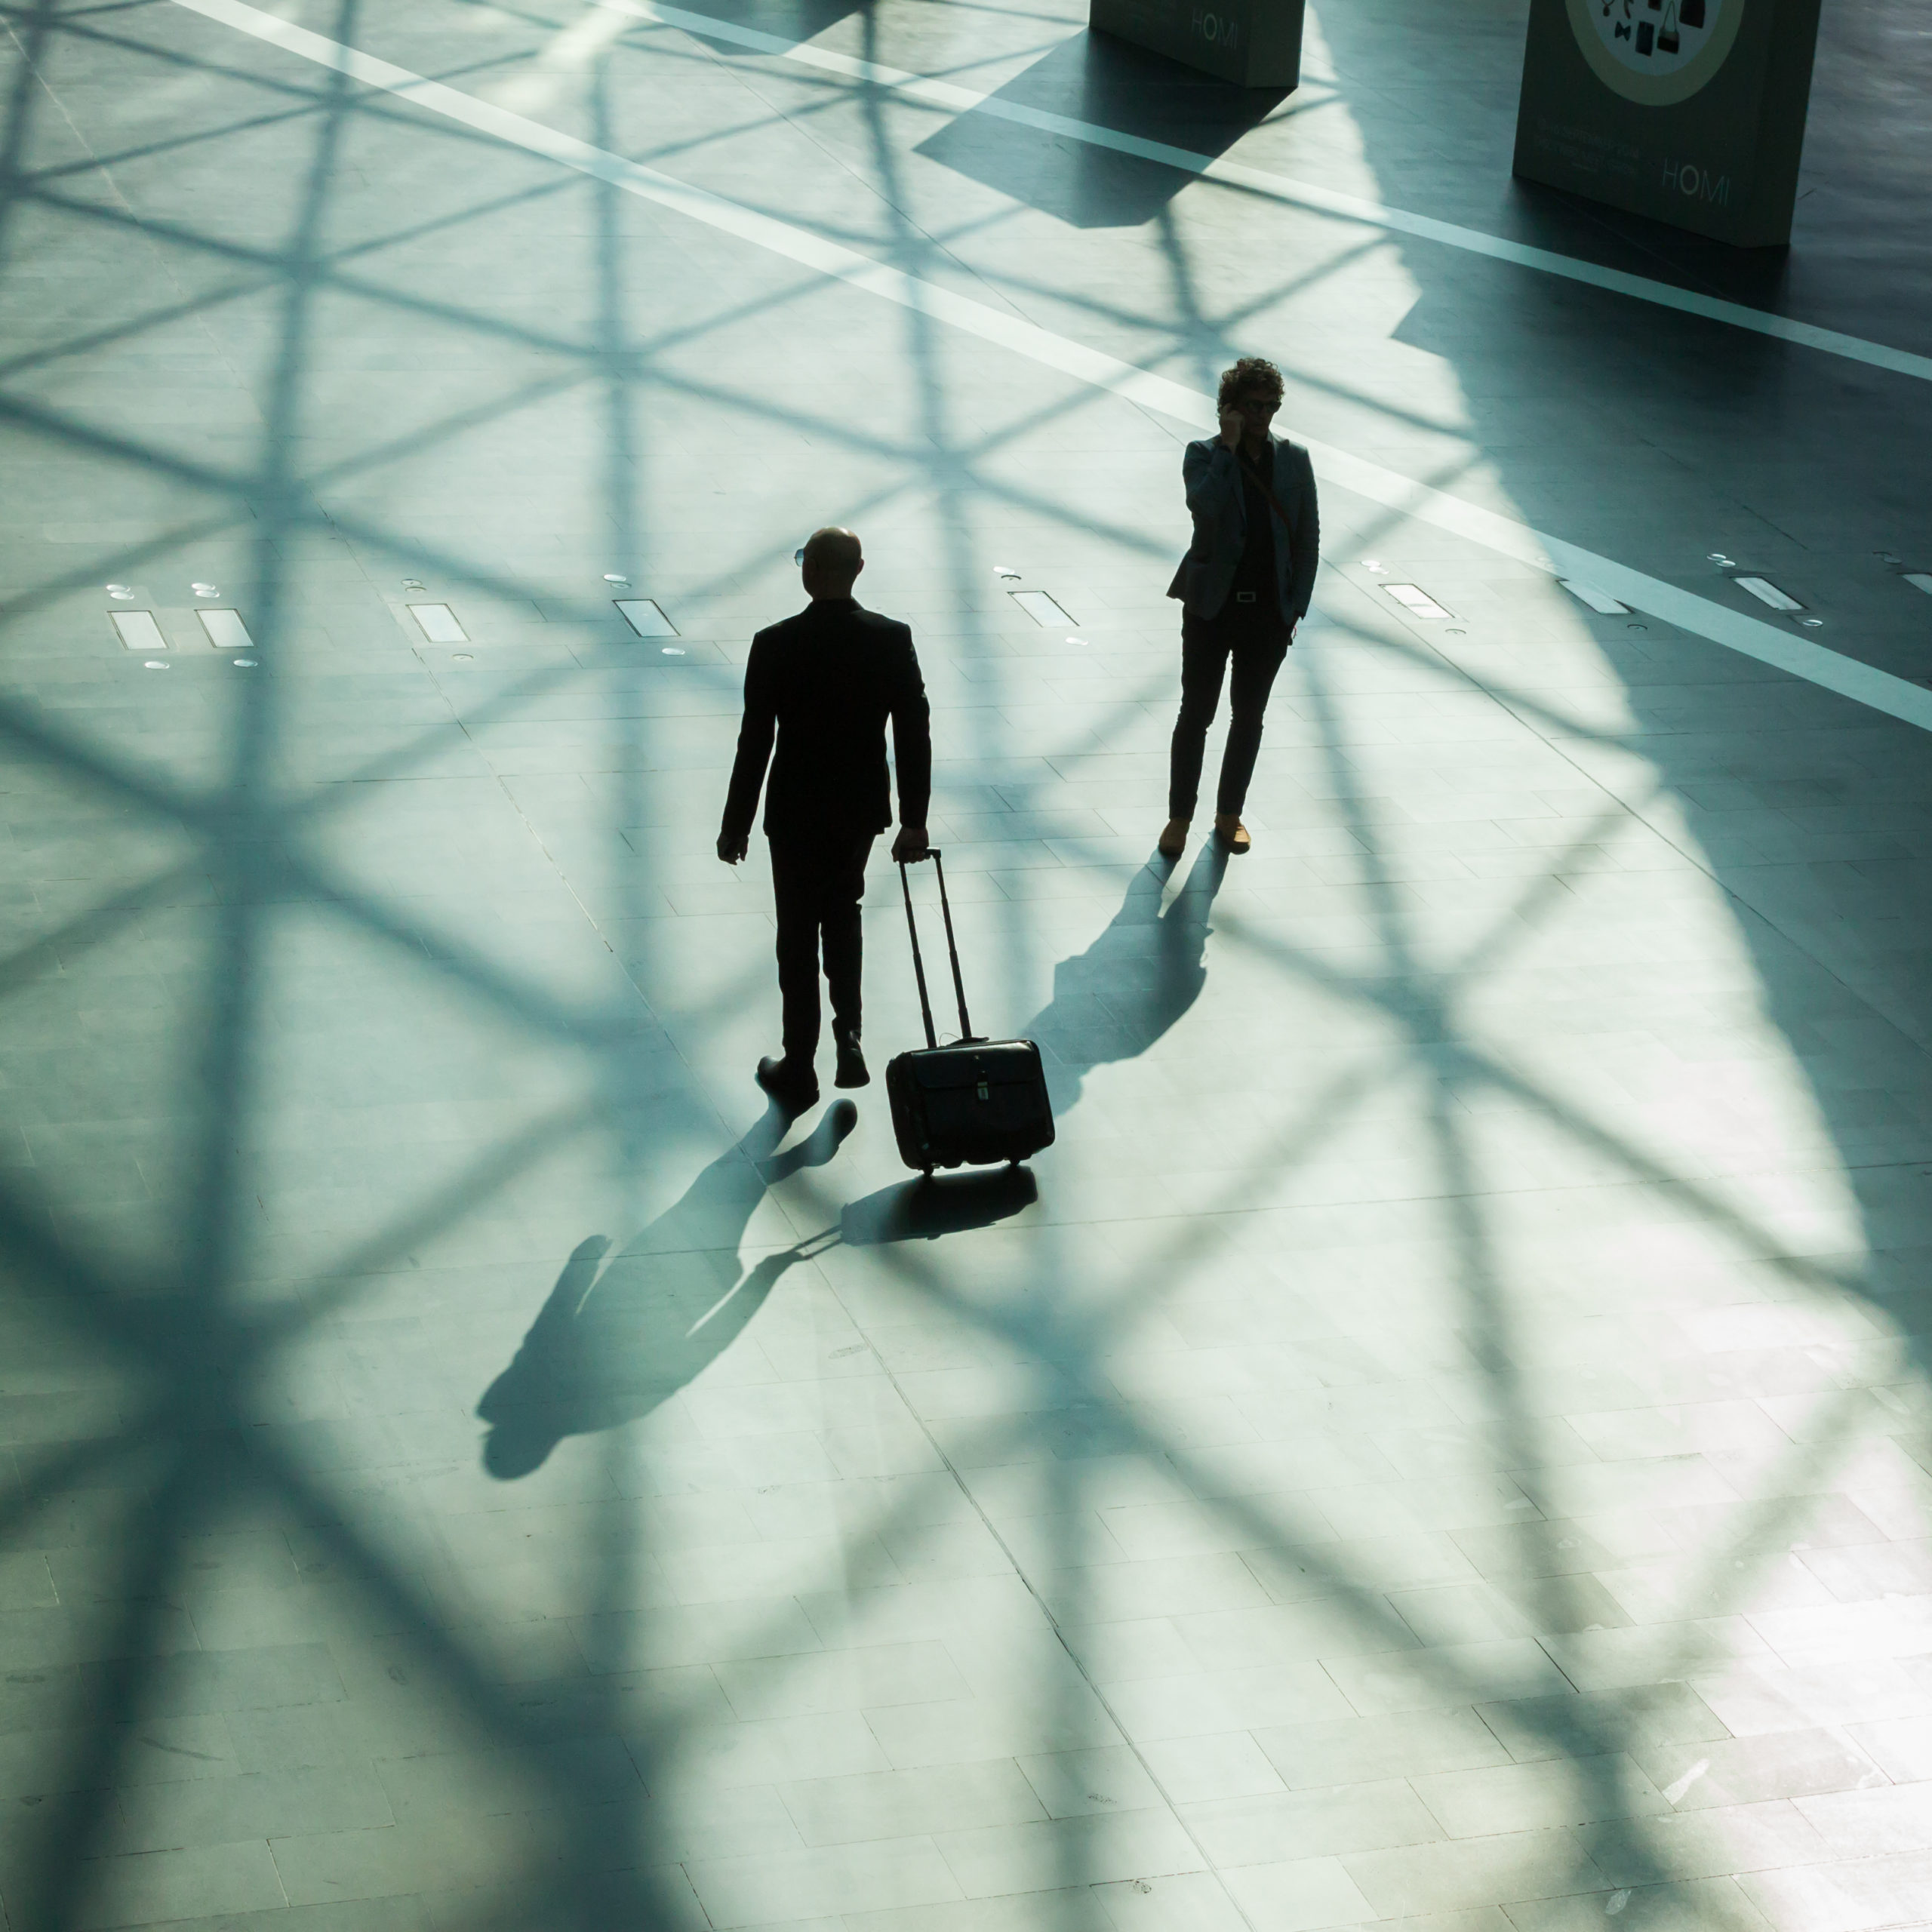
[{"x": 833, "y": 561}]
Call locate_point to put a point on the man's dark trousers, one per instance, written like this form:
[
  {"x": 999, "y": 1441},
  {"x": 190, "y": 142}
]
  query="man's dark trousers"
[
  {"x": 1206, "y": 650},
  {"x": 817, "y": 884}
]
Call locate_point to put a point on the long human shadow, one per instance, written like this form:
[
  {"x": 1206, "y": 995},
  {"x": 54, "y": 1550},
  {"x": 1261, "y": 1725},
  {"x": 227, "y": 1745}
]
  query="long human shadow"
[
  {"x": 1138, "y": 978},
  {"x": 619, "y": 1336}
]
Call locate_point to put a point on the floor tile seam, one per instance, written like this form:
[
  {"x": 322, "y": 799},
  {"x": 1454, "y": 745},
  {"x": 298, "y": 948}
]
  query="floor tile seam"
[
  {"x": 1306, "y": 193},
  {"x": 1123, "y": 1730},
  {"x": 1160, "y": 395},
  {"x": 1045, "y": 1611}
]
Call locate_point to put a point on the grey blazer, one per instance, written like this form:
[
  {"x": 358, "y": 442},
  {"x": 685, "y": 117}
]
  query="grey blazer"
[{"x": 1218, "y": 504}]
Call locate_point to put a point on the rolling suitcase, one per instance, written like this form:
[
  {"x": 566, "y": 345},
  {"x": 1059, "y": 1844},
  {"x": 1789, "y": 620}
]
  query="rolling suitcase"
[{"x": 971, "y": 1103}]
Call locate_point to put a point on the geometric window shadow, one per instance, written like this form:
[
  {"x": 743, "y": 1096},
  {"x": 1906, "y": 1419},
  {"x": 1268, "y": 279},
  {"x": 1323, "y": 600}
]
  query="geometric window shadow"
[{"x": 1111, "y": 1002}]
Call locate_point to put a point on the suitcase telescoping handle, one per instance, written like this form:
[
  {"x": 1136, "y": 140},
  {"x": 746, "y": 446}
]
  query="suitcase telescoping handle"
[{"x": 953, "y": 951}]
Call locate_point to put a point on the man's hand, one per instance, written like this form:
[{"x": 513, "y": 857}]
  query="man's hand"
[
  {"x": 732, "y": 850},
  {"x": 1233, "y": 424},
  {"x": 910, "y": 846}
]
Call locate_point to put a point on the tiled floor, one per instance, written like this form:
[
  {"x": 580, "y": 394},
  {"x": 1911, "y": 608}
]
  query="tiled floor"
[{"x": 1442, "y": 1439}]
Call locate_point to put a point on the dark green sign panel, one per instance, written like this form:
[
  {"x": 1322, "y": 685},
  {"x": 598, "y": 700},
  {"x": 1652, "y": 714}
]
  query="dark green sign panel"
[
  {"x": 1253, "y": 43},
  {"x": 1689, "y": 111}
]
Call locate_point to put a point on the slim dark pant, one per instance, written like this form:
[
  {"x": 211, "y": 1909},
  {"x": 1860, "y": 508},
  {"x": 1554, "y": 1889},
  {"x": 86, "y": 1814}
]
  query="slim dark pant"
[
  {"x": 818, "y": 884},
  {"x": 1206, "y": 645}
]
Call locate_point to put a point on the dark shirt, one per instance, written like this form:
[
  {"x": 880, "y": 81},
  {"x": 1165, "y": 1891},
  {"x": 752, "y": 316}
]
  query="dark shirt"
[
  {"x": 1255, "y": 573},
  {"x": 826, "y": 682}
]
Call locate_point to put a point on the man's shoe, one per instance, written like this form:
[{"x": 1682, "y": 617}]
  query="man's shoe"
[
  {"x": 1172, "y": 842},
  {"x": 852, "y": 1071},
  {"x": 1229, "y": 830},
  {"x": 794, "y": 1088}
]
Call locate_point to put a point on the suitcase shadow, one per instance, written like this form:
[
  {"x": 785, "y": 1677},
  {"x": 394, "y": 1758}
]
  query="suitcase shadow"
[
  {"x": 1139, "y": 976},
  {"x": 924, "y": 1209},
  {"x": 620, "y": 1334}
]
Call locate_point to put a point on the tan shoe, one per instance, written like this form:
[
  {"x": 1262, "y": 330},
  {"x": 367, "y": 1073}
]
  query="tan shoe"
[
  {"x": 1229, "y": 830},
  {"x": 1172, "y": 842}
]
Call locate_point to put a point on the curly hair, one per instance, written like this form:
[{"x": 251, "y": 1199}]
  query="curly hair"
[{"x": 1251, "y": 372}]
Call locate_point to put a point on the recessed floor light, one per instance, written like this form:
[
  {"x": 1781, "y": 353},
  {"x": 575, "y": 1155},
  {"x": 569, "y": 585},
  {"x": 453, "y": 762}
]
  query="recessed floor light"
[
  {"x": 119, "y": 590},
  {"x": 1081, "y": 641},
  {"x": 206, "y": 589},
  {"x": 1719, "y": 557},
  {"x": 1886, "y": 557},
  {"x": 1007, "y": 571},
  {"x": 243, "y": 663},
  {"x": 645, "y": 616},
  {"x": 1453, "y": 632},
  {"x": 1374, "y": 564},
  {"x": 1041, "y": 607},
  {"x": 1813, "y": 623},
  {"x": 671, "y": 650},
  {"x": 1636, "y": 627},
  {"x": 611, "y": 577},
  {"x": 1598, "y": 600},
  {"x": 156, "y": 664},
  {"x": 226, "y": 630},
  {"x": 137, "y": 630},
  {"x": 1766, "y": 592},
  {"x": 411, "y": 583},
  {"x": 1416, "y": 600},
  {"x": 462, "y": 657},
  {"x": 439, "y": 623}
]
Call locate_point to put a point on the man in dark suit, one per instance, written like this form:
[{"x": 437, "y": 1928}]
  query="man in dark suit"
[
  {"x": 1245, "y": 586},
  {"x": 826, "y": 682}
]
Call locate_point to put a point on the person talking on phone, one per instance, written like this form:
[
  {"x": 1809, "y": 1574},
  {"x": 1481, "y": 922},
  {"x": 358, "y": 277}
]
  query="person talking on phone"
[
  {"x": 1244, "y": 587},
  {"x": 825, "y": 683}
]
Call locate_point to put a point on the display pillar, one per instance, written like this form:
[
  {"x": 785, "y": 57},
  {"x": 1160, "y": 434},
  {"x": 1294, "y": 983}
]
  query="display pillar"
[
  {"x": 1253, "y": 43},
  {"x": 1691, "y": 111}
]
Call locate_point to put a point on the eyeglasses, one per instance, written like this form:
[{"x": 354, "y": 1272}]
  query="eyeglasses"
[
  {"x": 798, "y": 555},
  {"x": 1256, "y": 405}
]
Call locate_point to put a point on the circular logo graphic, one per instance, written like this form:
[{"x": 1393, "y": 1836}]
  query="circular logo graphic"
[{"x": 1656, "y": 52}]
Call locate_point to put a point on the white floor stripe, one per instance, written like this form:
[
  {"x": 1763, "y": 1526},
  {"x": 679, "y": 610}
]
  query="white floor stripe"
[
  {"x": 1798, "y": 656},
  {"x": 1303, "y": 194}
]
